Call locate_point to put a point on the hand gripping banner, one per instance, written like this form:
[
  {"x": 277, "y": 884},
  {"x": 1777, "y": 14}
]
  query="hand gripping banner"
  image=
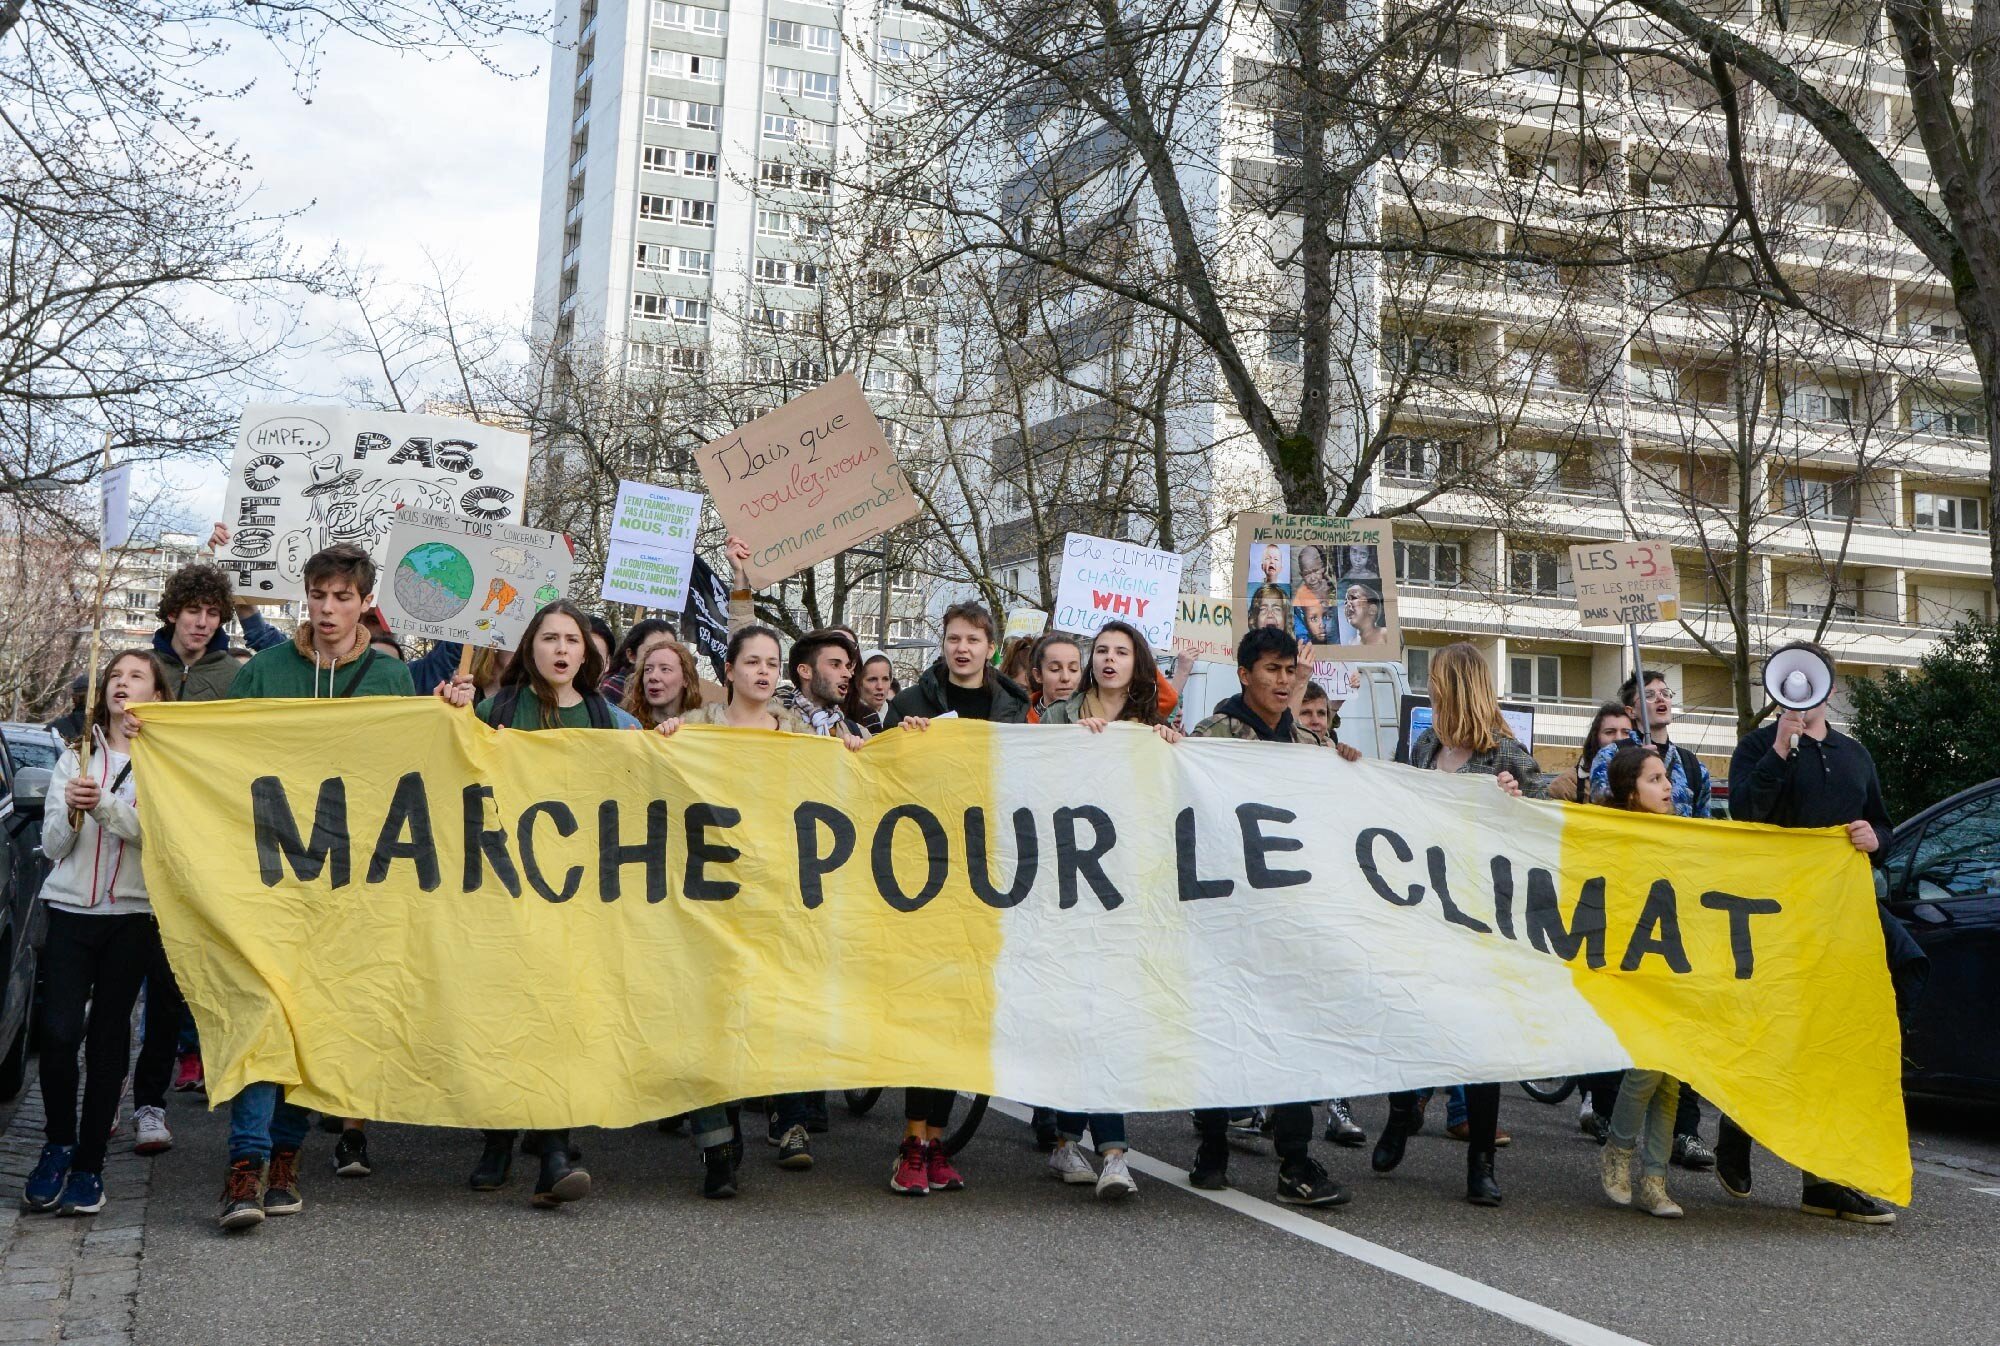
[{"x": 399, "y": 913}]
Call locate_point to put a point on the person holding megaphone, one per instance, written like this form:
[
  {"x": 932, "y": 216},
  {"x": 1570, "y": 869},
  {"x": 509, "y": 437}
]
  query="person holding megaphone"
[{"x": 1799, "y": 771}]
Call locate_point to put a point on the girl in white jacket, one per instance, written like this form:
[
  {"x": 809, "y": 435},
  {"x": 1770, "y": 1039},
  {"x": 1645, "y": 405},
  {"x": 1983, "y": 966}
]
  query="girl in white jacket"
[{"x": 101, "y": 940}]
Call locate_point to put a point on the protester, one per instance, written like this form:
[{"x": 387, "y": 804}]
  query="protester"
[
  {"x": 1466, "y": 735},
  {"x": 69, "y": 725},
  {"x": 1647, "y": 1099},
  {"x": 1610, "y": 727},
  {"x": 331, "y": 657},
  {"x": 1017, "y": 658},
  {"x": 1267, "y": 665},
  {"x": 626, "y": 658},
  {"x": 1055, "y": 670},
  {"x": 878, "y": 685},
  {"x": 100, "y": 944},
  {"x": 603, "y": 637},
  {"x": 664, "y": 682},
  {"x": 1121, "y": 684},
  {"x": 489, "y": 668},
  {"x": 1802, "y": 772},
  {"x": 1315, "y": 714},
  {"x": 1315, "y": 711}
]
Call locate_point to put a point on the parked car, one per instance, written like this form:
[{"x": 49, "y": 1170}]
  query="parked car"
[
  {"x": 1940, "y": 877},
  {"x": 23, "y": 791}
]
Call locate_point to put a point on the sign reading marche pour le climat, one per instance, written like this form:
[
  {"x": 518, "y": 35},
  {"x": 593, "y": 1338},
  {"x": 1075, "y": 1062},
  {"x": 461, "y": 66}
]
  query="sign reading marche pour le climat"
[{"x": 399, "y": 913}]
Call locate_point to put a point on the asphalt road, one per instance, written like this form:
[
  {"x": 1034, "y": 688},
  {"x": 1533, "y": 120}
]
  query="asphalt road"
[{"x": 411, "y": 1256}]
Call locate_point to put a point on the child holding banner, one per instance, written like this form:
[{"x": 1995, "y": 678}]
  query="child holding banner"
[{"x": 101, "y": 941}]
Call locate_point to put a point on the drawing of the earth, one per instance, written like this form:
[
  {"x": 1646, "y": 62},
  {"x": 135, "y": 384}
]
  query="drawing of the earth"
[{"x": 433, "y": 582}]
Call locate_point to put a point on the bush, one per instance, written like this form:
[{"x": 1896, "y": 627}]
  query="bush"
[{"x": 1932, "y": 732}]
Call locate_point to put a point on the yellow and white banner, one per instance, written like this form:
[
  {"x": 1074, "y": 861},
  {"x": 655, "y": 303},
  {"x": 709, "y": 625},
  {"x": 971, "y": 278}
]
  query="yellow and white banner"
[{"x": 401, "y": 914}]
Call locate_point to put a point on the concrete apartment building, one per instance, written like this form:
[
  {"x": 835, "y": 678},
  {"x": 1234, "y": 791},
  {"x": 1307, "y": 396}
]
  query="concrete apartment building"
[{"x": 1864, "y": 462}]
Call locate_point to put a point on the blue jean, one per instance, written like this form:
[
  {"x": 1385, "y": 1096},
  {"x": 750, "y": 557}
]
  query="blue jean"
[
  {"x": 710, "y": 1126},
  {"x": 1454, "y": 1104},
  {"x": 1107, "y": 1129},
  {"x": 260, "y": 1121},
  {"x": 1647, "y": 1100}
]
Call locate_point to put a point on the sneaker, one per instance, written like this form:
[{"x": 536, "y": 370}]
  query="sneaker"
[
  {"x": 943, "y": 1177},
  {"x": 1691, "y": 1154},
  {"x": 1341, "y": 1128},
  {"x": 1066, "y": 1161},
  {"x": 350, "y": 1154},
  {"x": 912, "y": 1174},
  {"x": 242, "y": 1196},
  {"x": 151, "y": 1124},
  {"x": 1246, "y": 1132},
  {"x": 1844, "y": 1203},
  {"x": 1651, "y": 1197},
  {"x": 1732, "y": 1166},
  {"x": 1115, "y": 1182},
  {"x": 795, "y": 1150},
  {"x": 1614, "y": 1171},
  {"x": 45, "y": 1184},
  {"x": 281, "y": 1184},
  {"x": 82, "y": 1194},
  {"x": 1306, "y": 1184},
  {"x": 718, "y": 1178},
  {"x": 1211, "y": 1167},
  {"x": 1462, "y": 1131},
  {"x": 187, "y": 1073}
]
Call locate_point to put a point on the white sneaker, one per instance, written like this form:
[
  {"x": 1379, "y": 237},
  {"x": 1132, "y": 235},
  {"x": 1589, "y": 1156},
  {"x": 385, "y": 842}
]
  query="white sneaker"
[
  {"x": 1115, "y": 1182},
  {"x": 151, "y": 1124},
  {"x": 1652, "y": 1198},
  {"x": 1615, "y": 1171},
  {"x": 1066, "y": 1161}
]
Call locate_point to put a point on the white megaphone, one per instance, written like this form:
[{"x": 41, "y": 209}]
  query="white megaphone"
[{"x": 1798, "y": 677}]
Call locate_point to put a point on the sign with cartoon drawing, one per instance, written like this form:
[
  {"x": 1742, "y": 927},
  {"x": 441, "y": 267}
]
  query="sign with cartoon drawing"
[
  {"x": 469, "y": 580},
  {"x": 304, "y": 478}
]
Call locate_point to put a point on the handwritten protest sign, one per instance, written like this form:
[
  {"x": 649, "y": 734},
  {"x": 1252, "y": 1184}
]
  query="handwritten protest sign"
[
  {"x": 304, "y": 478},
  {"x": 1203, "y": 629},
  {"x": 807, "y": 481},
  {"x": 468, "y": 580},
  {"x": 1029, "y": 622},
  {"x": 1104, "y": 581},
  {"x": 1330, "y": 582},
  {"x": 1621, "y": 582},
  {"x": 651, "y": 552}
]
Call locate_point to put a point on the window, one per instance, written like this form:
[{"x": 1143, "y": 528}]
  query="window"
[
  {"x": 918, "y": 337},
  {"x": 1419, "y": 661},
  {"x": 681, "y": 112},
  {"x": 695, "y": 214},
  {"x": 688, "y": 163},
  {"x": 1424, "y": 152},
  {"x": 659, "y": 159},
  {"x": 1283, "y": 344},
  {"x": 670, "y": 308},
  {"x": 805, "y": 275},
  {"x": 816, "y": 85},
  {"x": 694, "y": 262},
  {"x": 684, "y": 65},
  {"x": 1534, "y": 677},
  {"x": 655, "y": 207},
  {"x": 776, "y": 175},
  {"x": 777, "y": 223},
  {"x": 693, "y": 311},
  {"x": 1543, "y": 574},
  {"x": 815, "y": 180},
  {"x": 1958, "y": 856},
  {"x": 771, "y": 271},
  {"x": 1943, "y": 418},
  {"x": 700, "y": 163},
  {"x": 809, "y": 36},
  {"x": 774, "y": 319},
  {"x": 1408, "y": 352},
  {"x": 653, "y": 257},
  {"x": 1419, "y": 458},
  {"x": 1433, "y": 564},
  {"x": 1288, "y": 136},
  {"x": 798, "y": 371},
  {"x": 796, "y": 130},
  {"x": 901, "y": 49},
  {"x": 1950, "y": 513},
  {"x": 887, "y": 381},
  {"x": 1820, "y": 406},
  {"x": 689, "y": 18},
  {"x": 1809, "y": 499}
]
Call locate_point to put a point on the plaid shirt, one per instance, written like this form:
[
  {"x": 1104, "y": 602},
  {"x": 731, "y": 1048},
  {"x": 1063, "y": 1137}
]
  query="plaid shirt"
[{"x": 1506, "y": 754}]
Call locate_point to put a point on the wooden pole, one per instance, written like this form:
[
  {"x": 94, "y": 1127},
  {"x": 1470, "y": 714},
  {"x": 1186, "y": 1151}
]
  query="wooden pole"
[{"x": 96, "y": 639}]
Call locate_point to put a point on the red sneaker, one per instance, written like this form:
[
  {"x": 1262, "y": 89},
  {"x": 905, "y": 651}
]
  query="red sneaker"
[
  {"x": 943, "y": 1177},
  {"x": 187, "y": 1072},
  {"x": 913, "y": 1171}
]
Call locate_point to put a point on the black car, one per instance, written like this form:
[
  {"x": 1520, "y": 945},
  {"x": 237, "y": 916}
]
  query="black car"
[
  {"x": 27, "y": 756},
  {"x": 1941, "y": 878}
]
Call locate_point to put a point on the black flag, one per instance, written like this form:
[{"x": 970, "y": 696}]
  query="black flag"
[{"x": 708, "y": 605}]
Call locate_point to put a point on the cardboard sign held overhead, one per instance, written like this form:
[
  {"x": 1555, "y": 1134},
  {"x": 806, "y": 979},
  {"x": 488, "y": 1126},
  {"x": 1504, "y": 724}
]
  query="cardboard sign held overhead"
[
  {"x": 807, "y": 481},
  {"x": 305, "y": 478},
  {"x": 1619, "y": 583},
  {"x": 651, "y": 552},
  {"x": 1029, "y": 622},
  {"x": 1103, "y": 580},
  {"x": 469, "y": 580},
  {"x": 1204, "y": 629},
  {"x": 1330, "y": 582}
]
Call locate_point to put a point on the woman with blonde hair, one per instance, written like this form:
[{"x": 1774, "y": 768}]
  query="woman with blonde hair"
[
  {"x": 663, "y": 683},
  {"x": 1466, "y": 736}
]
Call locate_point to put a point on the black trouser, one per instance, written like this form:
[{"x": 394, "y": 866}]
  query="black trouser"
[
  {"x": 1729, "y": 1136},
  {"x": 797, "y": 1109},
  {"x": 166, "y": 1013},
  {"x": 1482, "y": 1113},
  {"x": 538, "y": 1141},
  {"x": 94, "y": 965},
  {"x": 1291, "y": 1129},
  {"x": 1603, "y": 1091},
  {"x": 932, "y": 1107}
]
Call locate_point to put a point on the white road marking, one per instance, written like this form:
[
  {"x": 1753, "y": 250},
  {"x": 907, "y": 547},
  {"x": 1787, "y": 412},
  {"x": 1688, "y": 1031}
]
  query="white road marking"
[{"x": 1548, "y": 1321}]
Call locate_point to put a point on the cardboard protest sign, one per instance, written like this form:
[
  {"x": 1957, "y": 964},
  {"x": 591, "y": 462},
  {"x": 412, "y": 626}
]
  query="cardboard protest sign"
[
  {"x": 1330, "y": 582},
  {"x": 468, "y": 580},
  {"x": 807, "y": 481},
  {"x": 1029, "y": 622},
  {"x": 304, "y": 478},
  {"x": 1103, "y": 581},
  {"x": 1622, "y": 582},
  {"x": 116, "y": 517},
  {"x": 1204, "y": 629},
  {"x": 650, "y": 555}
]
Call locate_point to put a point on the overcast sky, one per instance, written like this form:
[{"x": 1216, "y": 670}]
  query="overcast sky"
[{"x": 394, "y": 154}]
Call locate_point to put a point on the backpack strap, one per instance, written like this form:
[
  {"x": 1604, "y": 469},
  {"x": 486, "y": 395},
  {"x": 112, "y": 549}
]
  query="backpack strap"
[
  {"x": 599, "y": 711},
  {"x": 500, "y": 711},
  {"x": 360, "y": 671}
]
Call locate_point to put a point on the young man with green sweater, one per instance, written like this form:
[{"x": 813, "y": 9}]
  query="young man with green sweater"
[{"x": 330, "y": 657}]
